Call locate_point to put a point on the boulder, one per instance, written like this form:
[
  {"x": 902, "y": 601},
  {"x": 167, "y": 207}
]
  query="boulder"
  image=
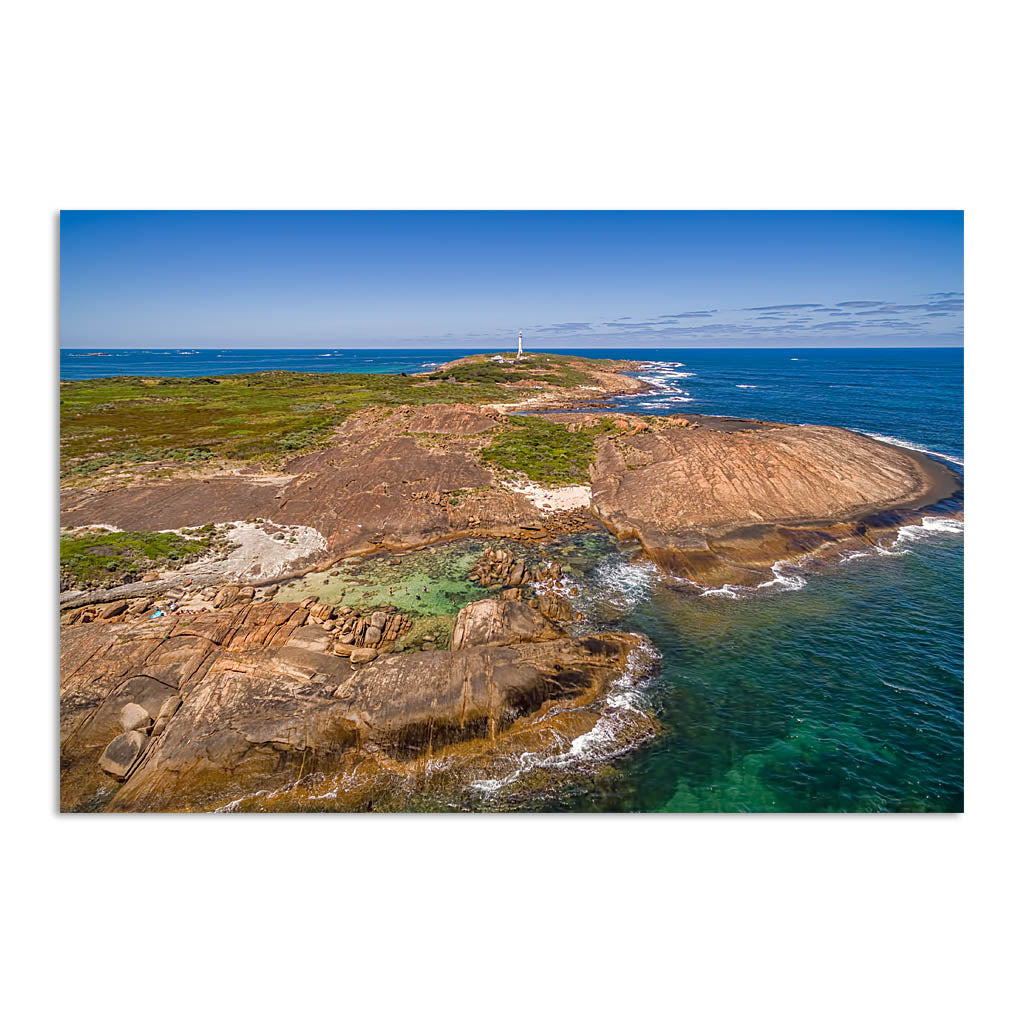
[
  {"x": 122, "y": 752},
  {"x": 225, "y": 596},
  {"x": 555, "y": 607},
  {"x": 134, "y": 716},
  {"x": 310, "y": 638},
  {"x": 379, "y": 619},
  {"x": 501, "y": 622},
  {"x": 362, "y": 655},
  {"x": 108, "y": 611},
  {"x": 409, "y": 702},
  {"x": 321, "y": 612},
  {"x": 372, "y": 636}
]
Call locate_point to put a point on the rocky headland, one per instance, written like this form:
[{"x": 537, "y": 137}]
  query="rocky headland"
[{"x": 196, "y": 684}]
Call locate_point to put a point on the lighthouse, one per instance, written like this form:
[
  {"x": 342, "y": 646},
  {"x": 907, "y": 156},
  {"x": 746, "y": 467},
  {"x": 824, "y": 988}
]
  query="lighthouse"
[{"x": 519, "y": 354}]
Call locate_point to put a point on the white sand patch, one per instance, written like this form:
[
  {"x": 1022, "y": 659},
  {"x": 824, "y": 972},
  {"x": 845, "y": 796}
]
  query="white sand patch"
[
  {"x": 553, "y": 499},
  {"x": 259, "y": 555}
]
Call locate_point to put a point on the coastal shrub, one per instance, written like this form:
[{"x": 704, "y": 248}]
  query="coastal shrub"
[
  {"x": 545, "y": 451},
  {"x": 98, "y": 559},
  {"x": 264, "y": 417}
]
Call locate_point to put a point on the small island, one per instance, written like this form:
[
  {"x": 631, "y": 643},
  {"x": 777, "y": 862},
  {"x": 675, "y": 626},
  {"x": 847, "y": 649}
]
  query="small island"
[{"x": 298, "y": 591}]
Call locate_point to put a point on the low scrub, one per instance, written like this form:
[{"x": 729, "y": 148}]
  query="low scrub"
[
  {"x": 99, "y": 559},
  {"x": 546, "y": 451}
]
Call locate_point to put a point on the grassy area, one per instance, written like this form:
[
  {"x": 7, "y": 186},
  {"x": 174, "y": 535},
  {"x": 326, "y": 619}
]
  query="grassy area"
[
  {"x": 266, "y": 417},
  {"x": 545, "y": 451},
  {"x": 251, "y": 417},
  {"x": 101, "y": 559}
]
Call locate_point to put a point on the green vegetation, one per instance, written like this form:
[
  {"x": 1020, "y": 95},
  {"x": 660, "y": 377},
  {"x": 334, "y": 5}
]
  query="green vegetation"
[
  {"x": 266, "y": 417},
  {"x": 546, "y": 452},
  {"x": 257, "y": 416},
  {"x": 99, "y": 559}
]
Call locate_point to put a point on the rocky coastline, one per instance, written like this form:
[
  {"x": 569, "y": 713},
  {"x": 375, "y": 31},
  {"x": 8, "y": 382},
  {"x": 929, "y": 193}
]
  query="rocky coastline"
[{"x": 200, "y": 685}]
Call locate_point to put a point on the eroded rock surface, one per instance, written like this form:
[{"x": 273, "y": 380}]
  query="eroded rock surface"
[
  {"x": 721, "y": 506},
  {"x": 384, "y": 482},
  {"x": 501, "y": 622},
  {"x": 240, "y": 700}
]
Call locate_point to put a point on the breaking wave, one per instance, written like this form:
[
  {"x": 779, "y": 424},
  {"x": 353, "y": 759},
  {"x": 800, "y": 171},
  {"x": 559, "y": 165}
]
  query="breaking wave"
[
  {"x": 622, "y": 584},
  {"x": 784, "y": 576},
  {"x": 900, "y": 443},
  {"x": 619, "y": 728}
]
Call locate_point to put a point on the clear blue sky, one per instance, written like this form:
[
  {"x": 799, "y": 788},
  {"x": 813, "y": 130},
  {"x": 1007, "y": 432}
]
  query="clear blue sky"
[{"x": 566, "y": 279}]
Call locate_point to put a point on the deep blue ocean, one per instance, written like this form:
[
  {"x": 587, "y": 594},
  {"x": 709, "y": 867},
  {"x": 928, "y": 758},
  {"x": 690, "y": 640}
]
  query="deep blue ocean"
[{"x": 840, "y": 688}]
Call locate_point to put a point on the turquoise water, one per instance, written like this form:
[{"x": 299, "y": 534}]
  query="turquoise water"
[
  {"x": 845, "y": 694},
  {"x": 840, "y": 688}
]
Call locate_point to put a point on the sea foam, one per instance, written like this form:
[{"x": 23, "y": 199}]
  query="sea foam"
[{"x": 899, "y": 442}]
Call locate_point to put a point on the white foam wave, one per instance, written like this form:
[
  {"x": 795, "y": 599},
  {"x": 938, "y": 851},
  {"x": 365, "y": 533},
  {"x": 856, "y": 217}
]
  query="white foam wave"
[
  {"x": 784, "y": 576},
  {"x": 901, "y": 443},
  {"x": 746, "y": 385},
  {"x": 621, "y": 584},
  {"x": 618, "y": 711},
  {"x": 928, "y": 525},
  {"x": 908, "y": 535}
]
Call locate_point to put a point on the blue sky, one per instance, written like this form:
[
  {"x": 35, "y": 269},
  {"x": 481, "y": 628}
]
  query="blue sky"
[{"x": 473, "y": 280}]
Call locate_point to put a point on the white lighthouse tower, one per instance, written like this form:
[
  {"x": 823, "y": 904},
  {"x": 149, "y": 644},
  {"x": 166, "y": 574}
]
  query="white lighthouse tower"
[{"x": 519, "y": 354}]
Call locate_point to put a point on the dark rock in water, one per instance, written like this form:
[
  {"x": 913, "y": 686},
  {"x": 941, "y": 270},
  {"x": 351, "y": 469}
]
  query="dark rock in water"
[{"x": 122, "y": 752}]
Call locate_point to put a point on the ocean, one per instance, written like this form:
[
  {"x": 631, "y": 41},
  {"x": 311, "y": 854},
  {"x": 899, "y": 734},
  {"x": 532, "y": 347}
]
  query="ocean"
[{"x": 838, "y": 688}]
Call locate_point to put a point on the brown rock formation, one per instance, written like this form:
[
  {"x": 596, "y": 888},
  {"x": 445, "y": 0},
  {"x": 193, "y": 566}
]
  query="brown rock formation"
[
  {"x": 379, "y": 484},
  {"x": 244, "y": 699},
  {"x": 721, "y": 505},
  {"x": 501, "y": 622}
]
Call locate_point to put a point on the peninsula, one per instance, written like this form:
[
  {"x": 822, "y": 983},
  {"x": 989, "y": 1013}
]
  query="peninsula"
[{"x": 246, "y": 616}]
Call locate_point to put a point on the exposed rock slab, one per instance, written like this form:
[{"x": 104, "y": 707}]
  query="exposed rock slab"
[
  {"x": 377, "y": 485},
  {"x": 720, "y": 506},
  {"x": 241, "y": 702}
]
